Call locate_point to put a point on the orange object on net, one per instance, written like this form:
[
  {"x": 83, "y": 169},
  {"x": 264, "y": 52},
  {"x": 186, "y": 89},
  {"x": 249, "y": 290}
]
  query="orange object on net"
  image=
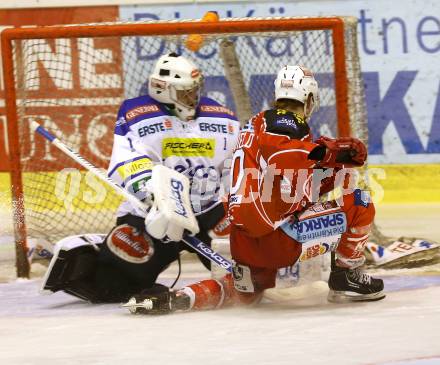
[{"x": 195, "y": 41}]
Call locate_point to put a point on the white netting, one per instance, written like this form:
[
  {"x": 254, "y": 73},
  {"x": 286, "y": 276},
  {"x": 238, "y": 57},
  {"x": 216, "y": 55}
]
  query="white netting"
[{"x": 74, "y": 86}]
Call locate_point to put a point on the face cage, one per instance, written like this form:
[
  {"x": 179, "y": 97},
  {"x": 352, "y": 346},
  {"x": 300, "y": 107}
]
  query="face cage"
[{"x": 188, "y": 98}]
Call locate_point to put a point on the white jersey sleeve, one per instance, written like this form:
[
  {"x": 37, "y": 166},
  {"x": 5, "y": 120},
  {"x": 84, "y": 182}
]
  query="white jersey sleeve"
[{"x": 132, "y": 160}]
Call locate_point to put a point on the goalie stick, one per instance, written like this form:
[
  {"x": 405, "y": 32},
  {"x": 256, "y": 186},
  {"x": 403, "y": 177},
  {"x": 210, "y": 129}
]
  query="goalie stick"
[{"x": 193, "y": 242}]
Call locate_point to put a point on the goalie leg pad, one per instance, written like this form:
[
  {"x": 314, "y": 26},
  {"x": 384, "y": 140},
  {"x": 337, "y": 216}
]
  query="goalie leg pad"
[{"x": 72, "y": 272}]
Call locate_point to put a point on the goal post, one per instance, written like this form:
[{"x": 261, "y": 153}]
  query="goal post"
[{"x": 72, "y": 79}]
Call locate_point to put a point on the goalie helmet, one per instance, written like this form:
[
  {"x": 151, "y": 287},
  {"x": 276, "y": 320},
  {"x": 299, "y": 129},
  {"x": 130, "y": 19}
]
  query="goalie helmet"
[
  {"x": 177, "y": 82},
  {"x": 298, "y": 83}
]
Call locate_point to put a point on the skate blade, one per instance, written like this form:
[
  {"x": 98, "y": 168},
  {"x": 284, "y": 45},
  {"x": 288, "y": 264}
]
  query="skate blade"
[
  {"x": 136, "y": 308},
  {"x": 335, "y": 296}
]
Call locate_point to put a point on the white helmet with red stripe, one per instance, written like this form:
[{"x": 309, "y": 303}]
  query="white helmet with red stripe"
[
  {"x": 298, "y": 83},
  {"x": 177, "y": 82}
]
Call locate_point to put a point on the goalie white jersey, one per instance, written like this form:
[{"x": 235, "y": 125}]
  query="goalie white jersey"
[{"x": 146, "y": 134}]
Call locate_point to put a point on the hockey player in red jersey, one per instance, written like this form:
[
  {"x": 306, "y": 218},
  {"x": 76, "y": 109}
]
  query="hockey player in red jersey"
[{"x": 278, "y": 174}]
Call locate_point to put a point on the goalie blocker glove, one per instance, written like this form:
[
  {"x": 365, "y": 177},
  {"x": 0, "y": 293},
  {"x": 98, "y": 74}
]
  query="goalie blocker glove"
[{"x": 158, "y": 299}]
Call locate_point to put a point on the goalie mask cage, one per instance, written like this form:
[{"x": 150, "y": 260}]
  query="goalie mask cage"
[{"x": 71, "y": 79}]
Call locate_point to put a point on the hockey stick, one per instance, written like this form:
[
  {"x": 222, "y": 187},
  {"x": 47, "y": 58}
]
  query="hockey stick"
[{"x": 193, "y": 242}]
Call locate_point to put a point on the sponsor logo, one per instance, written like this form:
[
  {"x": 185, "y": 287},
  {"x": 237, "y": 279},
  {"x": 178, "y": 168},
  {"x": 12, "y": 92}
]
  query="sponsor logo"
[
  {"x": 213, "y": 127},
  {"x": 167, "y": 124},
  {"x": 235, "y": 199},
  {"x": 316, "y": 227},
  {"x": 176, "y": 196},
  {"x": 286, "y": 122},
  {"x": 131, "y": 168},
  {"x": 195, "y": 73},
  {"x": 317, "y": 250},
  {"x": 138, "y": 247},
  {"x": 188, "y": 147},
  {"x": 214, "y": 255},
  {"x": 128, "y": 244},
  {"x": 215, "y": 109},
  {"x": 140, "y": 184},
  {"x": 362, "y": 198},
  {"x": 287, "y": 84},
  {"x": 141, "y": 110},
  {"x": 158, "y": 84},
  {"x": 155, "y": 128}
]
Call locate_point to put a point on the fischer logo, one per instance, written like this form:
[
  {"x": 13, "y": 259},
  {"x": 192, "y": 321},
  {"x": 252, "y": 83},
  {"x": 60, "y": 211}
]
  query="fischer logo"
[
  {"x": 214, "y": 255},
  {"x": 176, "y": 196}
]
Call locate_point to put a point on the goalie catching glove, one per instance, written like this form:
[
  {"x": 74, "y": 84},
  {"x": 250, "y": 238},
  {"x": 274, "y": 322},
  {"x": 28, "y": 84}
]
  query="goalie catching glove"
[
  {"x": 171, "y": 214},
  {"x": 340, "y": 152}
]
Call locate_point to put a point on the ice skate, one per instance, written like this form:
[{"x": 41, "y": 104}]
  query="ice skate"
[
  {"x": 157, "y": 300},
  {"x": 353, "y": 285}
]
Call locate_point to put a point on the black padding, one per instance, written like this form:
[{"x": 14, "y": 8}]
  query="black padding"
[
  {"x": 283, "y": 122},
  {"x": 73, "y": 273}
]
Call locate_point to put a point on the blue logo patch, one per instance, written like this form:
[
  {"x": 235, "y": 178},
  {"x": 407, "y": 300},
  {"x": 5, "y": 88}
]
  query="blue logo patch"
[
  {"x": 316, "y": 227},
  {"x": 362, "y": 198}
]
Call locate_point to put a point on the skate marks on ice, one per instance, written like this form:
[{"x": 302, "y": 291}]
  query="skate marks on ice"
[
  {"x": 307, "y": 330},
  {"x": 435, "y": 360}
]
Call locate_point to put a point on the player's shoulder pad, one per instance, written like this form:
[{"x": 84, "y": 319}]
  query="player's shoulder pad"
[
  {"x": 142, "y": 107},
  {"x": 283, "y": 122},
  {"x": 138, "y": 109},
  {"x": 210, "y": 108}
]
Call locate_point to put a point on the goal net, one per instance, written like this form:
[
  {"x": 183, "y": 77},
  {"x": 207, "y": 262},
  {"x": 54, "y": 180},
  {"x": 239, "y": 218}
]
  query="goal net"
[{"x": 71, "y": 79}]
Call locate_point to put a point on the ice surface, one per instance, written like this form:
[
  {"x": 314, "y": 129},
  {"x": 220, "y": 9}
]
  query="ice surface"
[
  {"x": 403, "y": 329},
  {"x": 59, "y": 329}
]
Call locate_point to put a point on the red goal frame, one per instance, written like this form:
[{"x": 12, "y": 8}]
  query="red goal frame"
[{"x": 336, "y": 25}]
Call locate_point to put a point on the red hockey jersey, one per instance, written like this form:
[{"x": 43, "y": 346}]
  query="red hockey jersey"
[{"x": 271, "y": 172}]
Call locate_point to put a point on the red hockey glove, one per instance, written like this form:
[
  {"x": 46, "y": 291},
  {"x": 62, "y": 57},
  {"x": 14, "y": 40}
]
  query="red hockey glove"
[{"x": 348, "y": 152}]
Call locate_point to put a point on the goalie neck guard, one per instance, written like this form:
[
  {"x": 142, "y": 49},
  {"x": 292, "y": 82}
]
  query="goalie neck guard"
[{"x": 177, "y": 82}]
